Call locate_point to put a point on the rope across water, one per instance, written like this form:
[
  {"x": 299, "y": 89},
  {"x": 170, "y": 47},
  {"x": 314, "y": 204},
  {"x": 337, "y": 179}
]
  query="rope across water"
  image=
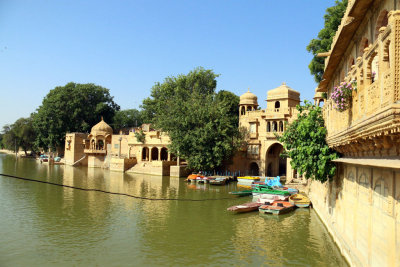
[{"x": 108, "y": 192}]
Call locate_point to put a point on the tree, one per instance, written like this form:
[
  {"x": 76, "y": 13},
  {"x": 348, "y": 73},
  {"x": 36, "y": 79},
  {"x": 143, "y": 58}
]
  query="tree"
[
  {"x": 202, "y": 125},
  {"x": 20, "y": 134},
  {"x": 9, "y": 139},
  {"x": 127, "y": 118},
  {"x": 71, "y": 108},
  {"x": 332, "y": 17},
  {"x": 305, "y": 143}
]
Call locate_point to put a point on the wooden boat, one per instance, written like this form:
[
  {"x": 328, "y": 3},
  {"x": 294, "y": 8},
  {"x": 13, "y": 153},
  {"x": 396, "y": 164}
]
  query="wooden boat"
[
  {"x": 246, "y": 207},
  {"x": 218, "y": 181},
  {"x": 263, "y": 189},
  {"x": 247, "y": 180},
  {"x": 242, "y": 193},
  {"x": 300, "y": 200},
  {"x": 277, "y": 208},
  {"x": 265, "y": 198}
]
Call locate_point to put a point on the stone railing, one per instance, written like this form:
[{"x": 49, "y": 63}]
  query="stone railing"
[{"x": 95, "y": 151}]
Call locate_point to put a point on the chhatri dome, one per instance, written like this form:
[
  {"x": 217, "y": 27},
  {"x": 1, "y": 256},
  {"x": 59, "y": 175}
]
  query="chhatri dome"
[
  {"x": 248, "y": 98},
  {"x": 101, "y": 128},
  {"x": 283, "y": 92}
]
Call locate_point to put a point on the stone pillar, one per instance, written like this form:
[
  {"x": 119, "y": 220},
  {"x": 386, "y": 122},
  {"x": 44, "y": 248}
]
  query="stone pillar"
[
  {"x": 119, "y": 148},
  {"x": 159, "y": 154},
  {"x": 178, "y": 161}
]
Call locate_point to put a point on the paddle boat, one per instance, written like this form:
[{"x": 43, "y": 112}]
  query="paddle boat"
[
  {"x": 277, "y": 208},
  {"x": 300, "y": 200},
  {"x": 246, "y": 207}
]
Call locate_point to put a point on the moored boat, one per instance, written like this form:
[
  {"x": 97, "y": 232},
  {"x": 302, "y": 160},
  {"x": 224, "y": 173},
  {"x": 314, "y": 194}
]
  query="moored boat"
[
  {"x": 265, "y": 198},
  {"x": 218, "y": 181},
  {"x": 246, "y": 207},
  {"x": 277, "y": 208},
  {"x": 300, "y": 200},
  {"x": 247, "y": 180},
  {"x": 242, "y": 193},
  {"x": 263, "y": 189}
]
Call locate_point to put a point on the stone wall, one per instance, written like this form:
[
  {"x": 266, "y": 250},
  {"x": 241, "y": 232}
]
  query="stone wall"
[
  {"x": 361, "y": 209},
  {"x": 74, "y": 148}
]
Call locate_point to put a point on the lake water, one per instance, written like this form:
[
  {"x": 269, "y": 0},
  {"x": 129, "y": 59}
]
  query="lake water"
[{"x": 47, "y": 225}]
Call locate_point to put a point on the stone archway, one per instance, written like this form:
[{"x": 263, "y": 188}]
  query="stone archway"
[
  {"x": 275, "y": 165},
  {"x": 145, "y": 154},
  {"x": 254, "y": 169},
  {"x": 154, "y": 153},
  {"x": 164, "y": 154}
]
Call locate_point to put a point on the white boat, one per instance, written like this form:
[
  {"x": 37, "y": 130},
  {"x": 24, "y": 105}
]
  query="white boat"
[{"x": 263, "y": 198}]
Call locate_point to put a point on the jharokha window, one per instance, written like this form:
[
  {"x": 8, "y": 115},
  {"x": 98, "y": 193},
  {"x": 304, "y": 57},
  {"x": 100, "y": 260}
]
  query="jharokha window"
[{"x": 253, "y": 128}]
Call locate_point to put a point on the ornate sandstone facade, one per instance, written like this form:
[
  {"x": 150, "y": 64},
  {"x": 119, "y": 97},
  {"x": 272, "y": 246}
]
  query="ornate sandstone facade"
[
  {"x": 123, "y": 152},
  {"x": 361, "y": 207},
  {"x": 263, "y": 148}
]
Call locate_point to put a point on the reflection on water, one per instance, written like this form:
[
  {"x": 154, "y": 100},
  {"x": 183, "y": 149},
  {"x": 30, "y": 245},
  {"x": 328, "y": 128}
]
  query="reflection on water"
[{"x": 44, "y": 225}]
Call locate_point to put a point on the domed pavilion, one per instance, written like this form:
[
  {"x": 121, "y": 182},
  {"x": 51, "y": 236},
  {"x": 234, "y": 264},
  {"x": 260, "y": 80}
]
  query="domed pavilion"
[{"x": 248, "y": 102}]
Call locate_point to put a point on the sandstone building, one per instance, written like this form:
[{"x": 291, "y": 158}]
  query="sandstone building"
[
  {"x": 361, "y": 207},
  {"x": 123, "y": 152},
  {"x": 262, "y": 156}
]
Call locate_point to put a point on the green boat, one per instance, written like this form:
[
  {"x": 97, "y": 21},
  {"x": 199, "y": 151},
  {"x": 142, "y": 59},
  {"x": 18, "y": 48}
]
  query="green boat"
[
  {"x": 264, "y": 189},
  {"x": 242, "y": 193}
]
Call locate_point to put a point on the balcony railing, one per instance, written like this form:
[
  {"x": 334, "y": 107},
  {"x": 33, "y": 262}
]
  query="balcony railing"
[{"x": 95, "y": 151}]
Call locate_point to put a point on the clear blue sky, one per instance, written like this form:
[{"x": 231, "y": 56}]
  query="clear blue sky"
[{"x": 127, "y": 46}]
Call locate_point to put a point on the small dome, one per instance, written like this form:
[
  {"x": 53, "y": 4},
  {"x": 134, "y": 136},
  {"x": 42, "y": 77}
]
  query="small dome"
[
  {"x": 248, "y": 98},
  {"x": 283, "y": 92},
  {"x": 101, "y": 128}
]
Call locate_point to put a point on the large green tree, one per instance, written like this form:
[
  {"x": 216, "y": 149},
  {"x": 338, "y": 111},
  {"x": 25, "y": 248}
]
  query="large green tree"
[
  {"x": 202, "y": 124},
  {"x": 323, "y": 42},
  {"x": 20, "y": 134},
  {"x": 127, "y": 118},
  {"x": 305, "y": 143},
  {"x": 71, "y": 108}
]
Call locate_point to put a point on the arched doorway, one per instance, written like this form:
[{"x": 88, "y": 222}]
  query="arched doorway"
[
  {"x": 164, "y": 153},
  {"x": 254, "y": 170},
  {"x": 145, "y": 153},
  {"x": 154, "y": 153},
  {"x": 275, "y": 164}
]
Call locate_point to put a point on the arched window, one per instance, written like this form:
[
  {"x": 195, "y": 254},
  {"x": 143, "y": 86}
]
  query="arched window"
[
  {"x": 100, "y": 145},
  {"x": 386, "y": 55},
  {"x": 248, "y": 108},
  {"x": 268, "y": 127},
  {"x": 321, "y": 103},
  {"x": 274, "y": 126},
  {"x": 145, "y": 153},
  {"x": 154, "y": 153},
  {"x": 381, "y": 21},
  {"x": 277, "y": 104},
  {"x": 281, "y": 126},
  {"x": 164, "y": 153},
  {"x": 242, "y": 111}
]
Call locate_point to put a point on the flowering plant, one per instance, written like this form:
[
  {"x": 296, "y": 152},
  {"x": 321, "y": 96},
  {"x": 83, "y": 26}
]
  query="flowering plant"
[{"x": 342, "y": 94}]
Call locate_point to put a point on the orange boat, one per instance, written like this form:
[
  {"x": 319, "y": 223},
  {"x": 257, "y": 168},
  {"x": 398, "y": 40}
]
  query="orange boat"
[{"x": 278, "y": 207}]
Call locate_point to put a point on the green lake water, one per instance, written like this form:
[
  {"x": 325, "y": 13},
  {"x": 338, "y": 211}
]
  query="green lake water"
[{"x": 47, "y": 225}]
